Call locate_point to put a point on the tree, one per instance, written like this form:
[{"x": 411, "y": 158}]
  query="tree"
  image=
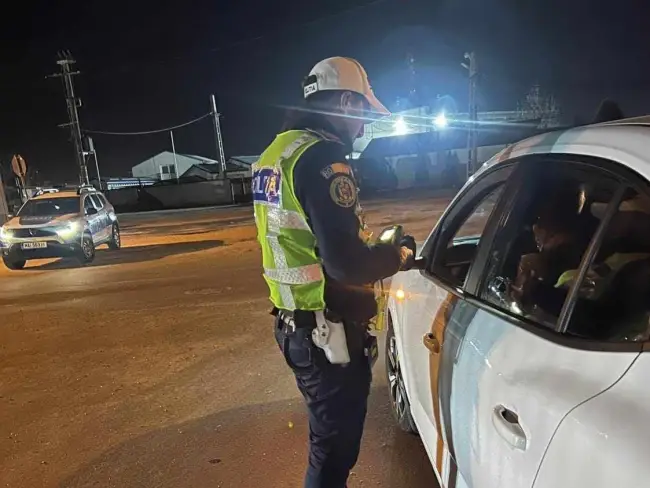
[
  {"x": 538, "y": 105},
  {"x": 608, "y": 111}
]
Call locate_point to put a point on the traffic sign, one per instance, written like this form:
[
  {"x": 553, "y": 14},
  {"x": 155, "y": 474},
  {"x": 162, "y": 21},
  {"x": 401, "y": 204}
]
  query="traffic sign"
[{"x": 19, "y": 166}]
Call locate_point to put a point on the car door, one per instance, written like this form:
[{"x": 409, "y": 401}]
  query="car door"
[
  {"x": 103, "y": 218},
  {"x": 507, "y": 375},
  {"x": 93, "y": 219},
  {"x": 462, "y": 227}
]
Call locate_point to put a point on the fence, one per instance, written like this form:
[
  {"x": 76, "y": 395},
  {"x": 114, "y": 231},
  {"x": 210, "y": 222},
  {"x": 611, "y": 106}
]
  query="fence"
[{"x": 182, "y": 195}]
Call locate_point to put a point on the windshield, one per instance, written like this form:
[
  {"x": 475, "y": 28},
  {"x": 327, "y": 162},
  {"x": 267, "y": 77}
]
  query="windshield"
[{"x": 50, "y": 206}]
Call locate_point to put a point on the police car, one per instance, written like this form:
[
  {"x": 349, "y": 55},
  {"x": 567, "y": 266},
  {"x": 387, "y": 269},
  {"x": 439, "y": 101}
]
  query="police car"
[
  {"x": 60, "y": 223},
  {"x": 518, "y": 350}
]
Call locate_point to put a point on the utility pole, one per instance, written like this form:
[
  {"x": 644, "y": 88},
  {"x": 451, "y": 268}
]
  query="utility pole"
[
  {"x": 171, "y": 136},
  {"x": 88, "y": 150},
  {"x": 217, "y": 132},
  {"x": 4, "y": 207},
  {"x": 472, "y": 136},
  {"x": 73, "y": 103}
]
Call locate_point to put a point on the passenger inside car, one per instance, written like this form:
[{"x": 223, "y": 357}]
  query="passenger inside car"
[
  {"x": 613, "y": 301},
  {"x": 561, "y": 231}
]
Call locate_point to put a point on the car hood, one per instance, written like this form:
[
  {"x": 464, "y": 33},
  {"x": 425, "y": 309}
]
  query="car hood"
[{"x": 40, "y": 221}]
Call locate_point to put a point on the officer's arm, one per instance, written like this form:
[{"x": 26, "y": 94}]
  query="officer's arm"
[{"x": 326, "y": 190}]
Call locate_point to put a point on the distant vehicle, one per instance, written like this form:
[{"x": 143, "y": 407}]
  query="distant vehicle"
[
  {"x": 518, "y": 348},
  {"x": 60, "y": 223}
]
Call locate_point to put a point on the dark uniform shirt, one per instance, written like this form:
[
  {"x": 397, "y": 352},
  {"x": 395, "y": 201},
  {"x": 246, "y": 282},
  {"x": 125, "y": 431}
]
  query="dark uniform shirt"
[{"x": 326, "y": 188}]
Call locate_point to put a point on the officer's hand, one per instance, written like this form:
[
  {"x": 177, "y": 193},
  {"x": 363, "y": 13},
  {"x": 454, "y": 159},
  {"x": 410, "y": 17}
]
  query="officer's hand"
[
  {"x": 408, "y": 241},
  {"x": 407, "y": 258}
]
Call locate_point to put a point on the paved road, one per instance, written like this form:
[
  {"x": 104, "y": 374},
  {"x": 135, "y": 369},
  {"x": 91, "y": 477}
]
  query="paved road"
[{"x": 155, "y": 367}]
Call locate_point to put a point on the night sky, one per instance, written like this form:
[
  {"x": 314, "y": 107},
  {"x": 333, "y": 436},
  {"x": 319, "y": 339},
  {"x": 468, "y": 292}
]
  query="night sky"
[{"x": 152, "y": 64}]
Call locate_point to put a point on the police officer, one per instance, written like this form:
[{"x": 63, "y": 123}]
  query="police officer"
[{"x": 319, "y": 264}]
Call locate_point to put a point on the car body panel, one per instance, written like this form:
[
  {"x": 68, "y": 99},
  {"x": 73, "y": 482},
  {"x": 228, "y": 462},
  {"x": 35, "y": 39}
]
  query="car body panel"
[
  {"x": 622, "y": 143},
  {"x": 605, "y": 441},
  {"x": 42, "y": 228},
  {"x": 569, "y": 399},
  {"x": 493, "y": 363}
]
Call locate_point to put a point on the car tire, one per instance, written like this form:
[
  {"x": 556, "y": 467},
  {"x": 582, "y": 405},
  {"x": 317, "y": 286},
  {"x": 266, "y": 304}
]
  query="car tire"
[
  {"x": 116, "y": 239},
  {"x": 399, "y": 402},
  {"x": 86, "y": 252},
  {"x": 14, "y": 265}
]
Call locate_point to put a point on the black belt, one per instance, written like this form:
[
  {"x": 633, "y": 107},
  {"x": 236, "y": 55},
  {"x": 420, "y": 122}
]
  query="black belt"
[
  {"x": 299, "y": 319},
  {"x": 296, "y": 319}
]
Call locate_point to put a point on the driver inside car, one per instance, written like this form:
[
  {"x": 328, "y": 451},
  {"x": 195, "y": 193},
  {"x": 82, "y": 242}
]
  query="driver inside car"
[{"x": 561, "y": 234}]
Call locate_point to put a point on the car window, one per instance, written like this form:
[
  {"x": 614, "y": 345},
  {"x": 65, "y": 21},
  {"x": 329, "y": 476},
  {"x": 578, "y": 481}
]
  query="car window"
[
  {"x": 545, "y": 237},
  {"x": 474, "y": 225},
  {"x": 612, "y": 299},
  {"x": 96, "y": 201},
  {"x": 463, "y": 226},
  {"x": 88, "y": 204},
  {"x": 43, "y": 207}
]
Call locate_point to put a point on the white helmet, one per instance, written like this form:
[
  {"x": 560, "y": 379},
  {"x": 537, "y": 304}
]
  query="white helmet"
[{"x": 345, "y": 74}]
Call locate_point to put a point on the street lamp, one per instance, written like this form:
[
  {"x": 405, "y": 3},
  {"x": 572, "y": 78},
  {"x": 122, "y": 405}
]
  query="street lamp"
[
  {"x": 440, "y": 121},
  {"x": 399, "y": 127}
]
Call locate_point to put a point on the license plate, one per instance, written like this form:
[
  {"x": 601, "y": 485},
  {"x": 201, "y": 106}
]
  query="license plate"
[{"x": 33, "y": 245}]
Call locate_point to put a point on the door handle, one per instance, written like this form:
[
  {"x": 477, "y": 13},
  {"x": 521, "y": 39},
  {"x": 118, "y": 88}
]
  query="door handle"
[
  {"x": 506, "y": 423},
  {"x": 431, "y": 343}
]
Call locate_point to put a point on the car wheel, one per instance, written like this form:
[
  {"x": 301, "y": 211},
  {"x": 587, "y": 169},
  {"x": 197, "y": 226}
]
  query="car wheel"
[
  {"x": 116, "y": 240},
  {"x": 86, "y": 251},
  {"x": 15, "y": 265},
  {"x": 399, "y": 402}
]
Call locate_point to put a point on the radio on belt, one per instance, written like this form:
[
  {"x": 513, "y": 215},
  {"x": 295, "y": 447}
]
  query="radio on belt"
[{"x": 330, "y": 337}]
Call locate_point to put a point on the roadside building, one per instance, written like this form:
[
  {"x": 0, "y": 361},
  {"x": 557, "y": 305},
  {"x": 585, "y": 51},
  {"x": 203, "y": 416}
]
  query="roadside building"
[{"x": 423, "y": 149}]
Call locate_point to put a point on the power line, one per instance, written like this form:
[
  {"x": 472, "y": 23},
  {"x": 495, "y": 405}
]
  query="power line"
[{"x": 146, "y": 132}]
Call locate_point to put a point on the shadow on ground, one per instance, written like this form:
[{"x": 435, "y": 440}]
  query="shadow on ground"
[
  {"x": 253, "y": 446},
  {"x": 129, "y": 255}
]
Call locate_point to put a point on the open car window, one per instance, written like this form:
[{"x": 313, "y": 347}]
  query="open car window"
[
  {"x": 472, "y": 228},
  {"x": 460, "y": 232}
]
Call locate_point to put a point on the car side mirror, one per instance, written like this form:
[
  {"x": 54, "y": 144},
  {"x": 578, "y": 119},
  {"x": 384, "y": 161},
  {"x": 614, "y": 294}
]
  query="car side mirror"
[
  {"x": 420, "y": 263},
  {"x": 91, "y": 211}
]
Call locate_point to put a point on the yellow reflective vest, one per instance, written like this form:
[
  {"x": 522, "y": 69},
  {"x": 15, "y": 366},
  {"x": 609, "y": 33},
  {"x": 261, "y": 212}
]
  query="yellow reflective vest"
[{"x": 292, "y": 269}]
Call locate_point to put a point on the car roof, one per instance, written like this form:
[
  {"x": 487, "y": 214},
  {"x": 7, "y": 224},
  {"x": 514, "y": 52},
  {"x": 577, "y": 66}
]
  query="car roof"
[{"x": 624, "y": 141}]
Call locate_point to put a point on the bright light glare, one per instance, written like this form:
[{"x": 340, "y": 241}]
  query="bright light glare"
[
  {"x": 68, "y": 230},
  {"x": 399, "y": 294},
  {"x": 400, "y": 128},
  {"x": 5, "y": 234},
  {"x": 440, "y": 121}
]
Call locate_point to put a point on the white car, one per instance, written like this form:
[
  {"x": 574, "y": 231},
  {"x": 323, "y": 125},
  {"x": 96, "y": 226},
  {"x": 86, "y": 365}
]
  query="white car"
[
  {"x": 517, "y": 352},
  {"x": 60, "y": 223}
]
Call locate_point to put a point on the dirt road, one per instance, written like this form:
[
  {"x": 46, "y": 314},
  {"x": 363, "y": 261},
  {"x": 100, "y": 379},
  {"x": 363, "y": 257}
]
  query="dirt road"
[{"x": 155, "y": 366}]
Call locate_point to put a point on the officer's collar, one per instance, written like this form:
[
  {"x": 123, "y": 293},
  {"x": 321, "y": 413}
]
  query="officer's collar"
[{"x": 324, "y": 128}]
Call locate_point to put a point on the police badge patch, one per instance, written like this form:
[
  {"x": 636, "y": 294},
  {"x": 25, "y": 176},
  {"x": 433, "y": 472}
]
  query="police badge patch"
[{"x": 343, "y": 191}]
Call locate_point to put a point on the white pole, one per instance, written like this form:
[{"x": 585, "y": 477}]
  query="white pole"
[
  {"x": 217, "y": 129},
  {"x": 99, "y": 178},
  {"x": 91, "y": 148},
  {"x": 171, "y": 135}
]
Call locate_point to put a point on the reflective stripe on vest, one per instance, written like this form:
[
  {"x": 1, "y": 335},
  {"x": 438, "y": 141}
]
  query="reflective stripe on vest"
[{"x": 302, "y": 275}]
